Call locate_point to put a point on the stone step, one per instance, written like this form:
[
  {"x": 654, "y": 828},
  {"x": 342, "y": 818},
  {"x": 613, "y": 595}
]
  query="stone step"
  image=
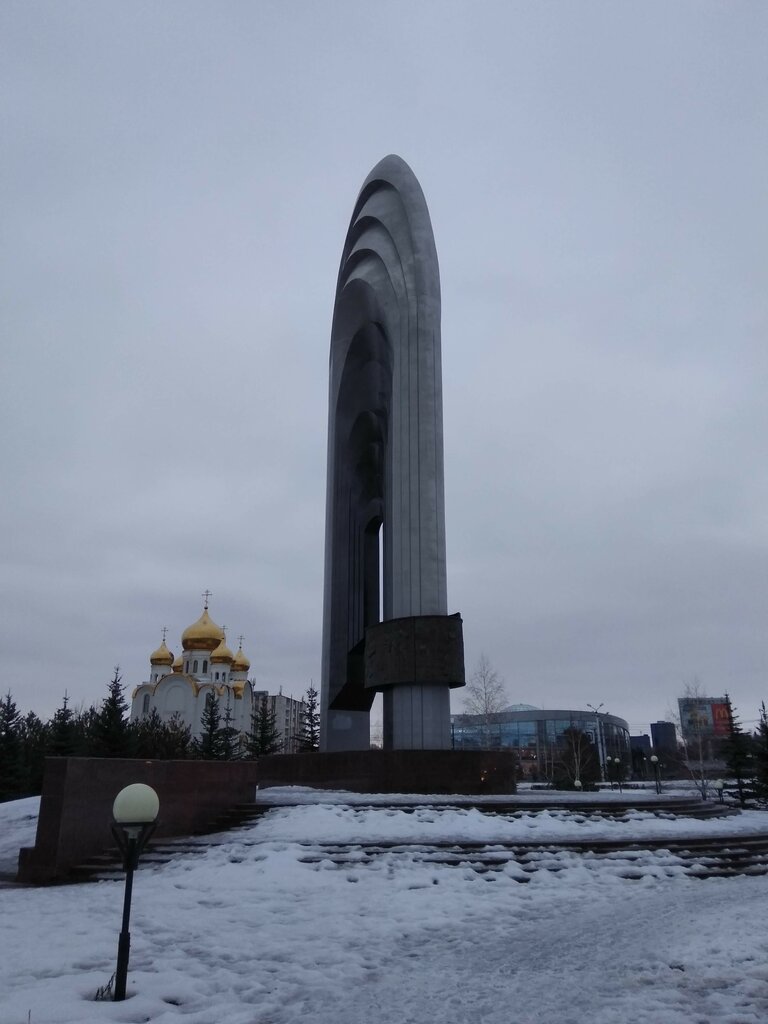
[
  {"x": 512, "y": 808},
  {"x": 711, "y": 862},
  {"x": 700, "y": 857},
  {"x": 729, "y": 854}
]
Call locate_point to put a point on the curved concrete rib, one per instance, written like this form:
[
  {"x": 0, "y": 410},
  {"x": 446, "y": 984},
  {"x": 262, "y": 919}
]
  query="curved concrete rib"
[{"x": 385, "y": 460}]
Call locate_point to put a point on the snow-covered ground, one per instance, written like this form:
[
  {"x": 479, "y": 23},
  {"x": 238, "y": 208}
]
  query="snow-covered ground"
[
  {"x": 526, "y": 793},
  {"x": 249, "y": 932},
  {"x": 323, "y": 823},
  {"x": 18, "y": 824}
]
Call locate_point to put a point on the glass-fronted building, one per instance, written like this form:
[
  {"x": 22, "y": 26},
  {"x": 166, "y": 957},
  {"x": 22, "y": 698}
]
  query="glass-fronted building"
[{"x": 538, "y": 737}]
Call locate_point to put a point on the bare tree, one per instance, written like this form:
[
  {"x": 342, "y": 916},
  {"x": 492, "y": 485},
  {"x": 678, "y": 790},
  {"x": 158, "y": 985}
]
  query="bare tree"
[
  {"x": 377, "y": 734},
  {"x": 485, "y": 695},
  {"x": 696, "y": 735},
  {"x": 578, "y": 760}
]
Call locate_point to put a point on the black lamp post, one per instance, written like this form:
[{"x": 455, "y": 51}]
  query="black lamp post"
[
  {"x": 719, "y": 785},
  {"x": 600, "y": 737},
  {"x": 135, "y": 813},
  {"x": 619, "y": 771},
  {"x": 655, "y": 763}
]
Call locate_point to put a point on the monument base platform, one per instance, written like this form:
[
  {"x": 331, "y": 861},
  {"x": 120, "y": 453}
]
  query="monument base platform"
[{"x": 468, "y": 772}]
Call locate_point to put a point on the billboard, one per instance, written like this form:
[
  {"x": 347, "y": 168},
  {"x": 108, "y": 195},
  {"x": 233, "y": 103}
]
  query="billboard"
[
  {"x": 703, "y": 716},
  {"x": 721, "y": 718}
]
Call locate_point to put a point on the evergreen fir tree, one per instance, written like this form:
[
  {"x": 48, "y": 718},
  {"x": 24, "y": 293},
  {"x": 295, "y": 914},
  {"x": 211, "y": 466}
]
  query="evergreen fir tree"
[
  {"x": 177, "y": 739},
  {"x": 148, "y": 735},
  {"x": 761, "y": 756},
  {"x": 758, "y": 746},
  {"x": 207, "y": 746},
  {"x": 229, "y": 737},
  {"x": 159, "y": 740},
  {"x": 735, "y": 752},
  {"x": 309, "y": 738},
  {"x": 264, "y": 737},
  {"x": 112, "y": 732},
  {"x": 87, "y": 742},
  {"x": 11, "y": 766},
  {"x": 33, "y": 736},
  {"x": 62, "y": 731}
]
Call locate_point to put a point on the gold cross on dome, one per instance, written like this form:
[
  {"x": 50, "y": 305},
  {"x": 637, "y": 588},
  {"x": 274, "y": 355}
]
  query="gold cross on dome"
[{"x": 206, "y": 595}]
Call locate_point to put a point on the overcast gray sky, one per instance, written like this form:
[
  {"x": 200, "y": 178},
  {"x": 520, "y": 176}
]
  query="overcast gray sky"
[{"x": 177, "y": 180}]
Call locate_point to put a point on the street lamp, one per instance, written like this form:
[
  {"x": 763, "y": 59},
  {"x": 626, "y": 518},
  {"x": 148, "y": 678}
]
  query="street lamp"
[
  {"x": 718, "y": 785},
  {"x": 135, "y": 813},
  {"x": 619, "y": 766},
  {"x": 600, "y": 737},
  {"x": 655, "y": 763},
  {"x": 577, "y": 784}
]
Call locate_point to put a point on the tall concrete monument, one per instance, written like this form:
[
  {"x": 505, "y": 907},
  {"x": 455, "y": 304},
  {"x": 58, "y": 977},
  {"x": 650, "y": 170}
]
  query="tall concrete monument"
[{"x": 386, "y": 626}]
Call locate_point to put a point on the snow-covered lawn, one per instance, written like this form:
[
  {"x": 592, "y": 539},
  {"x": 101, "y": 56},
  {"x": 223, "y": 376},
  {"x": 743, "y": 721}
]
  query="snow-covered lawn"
[
  {"x": 328, "y": 824},
  {"x": 18, "y": 824},
  {"x": 249, "y": 933}
]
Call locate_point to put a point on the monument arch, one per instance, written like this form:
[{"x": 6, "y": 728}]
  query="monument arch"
[{"x": 385, "y": 621}]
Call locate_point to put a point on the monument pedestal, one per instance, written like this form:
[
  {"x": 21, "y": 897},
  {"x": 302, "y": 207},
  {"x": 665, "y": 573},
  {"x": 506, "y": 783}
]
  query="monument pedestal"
[{"x": 463, "y": 772}]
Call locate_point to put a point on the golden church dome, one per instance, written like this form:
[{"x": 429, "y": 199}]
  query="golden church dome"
[
  {"x": 162, "y": 656},
  {"x": 203, "y": 635},
  {"x": 178, "y": 664},
  {"x": 222, "y": 653},
  {"x": 240, "y": 663}
]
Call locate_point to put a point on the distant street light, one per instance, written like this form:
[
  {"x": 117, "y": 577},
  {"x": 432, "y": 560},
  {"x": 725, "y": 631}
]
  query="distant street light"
[
  {"x": 655, "y": 763},
  {"x": 577, "y": 784},
  {"x": 135, "y": 813},
  {"x": 718, "y": 785},
  {"x": 619, "y": 771},
  {"x": 600, "y": 737}
]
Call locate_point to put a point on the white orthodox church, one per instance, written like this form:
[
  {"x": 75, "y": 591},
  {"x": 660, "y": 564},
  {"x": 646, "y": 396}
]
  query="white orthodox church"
[{"x": 179, "y": 686}]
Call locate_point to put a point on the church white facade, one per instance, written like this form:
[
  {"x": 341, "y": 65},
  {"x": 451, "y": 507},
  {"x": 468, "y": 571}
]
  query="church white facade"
[{"x": 179, "y": 686}]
